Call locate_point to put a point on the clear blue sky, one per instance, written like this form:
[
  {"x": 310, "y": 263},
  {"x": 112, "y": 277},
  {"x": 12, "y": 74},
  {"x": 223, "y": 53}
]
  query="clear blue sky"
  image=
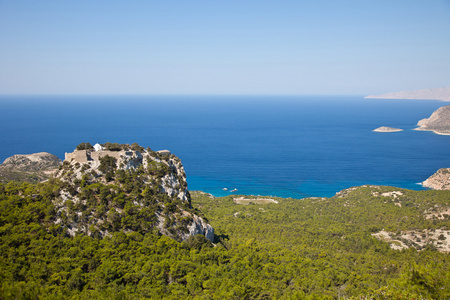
[{"x": 223, "y": 46}]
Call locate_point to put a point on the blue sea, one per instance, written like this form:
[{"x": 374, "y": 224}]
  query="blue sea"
[{"x": 286, "y": 146}]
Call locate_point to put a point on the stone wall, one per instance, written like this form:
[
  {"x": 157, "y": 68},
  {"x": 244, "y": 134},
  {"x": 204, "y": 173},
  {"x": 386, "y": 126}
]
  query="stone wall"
[
  {"x": 77, "y": 155},
  {"x": 83, "y": 156},
  {"x": 116, "y": 154}
]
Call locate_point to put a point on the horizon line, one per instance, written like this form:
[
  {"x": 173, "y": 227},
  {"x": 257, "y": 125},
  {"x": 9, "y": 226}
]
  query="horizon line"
[{"x": 173, "y": 95}]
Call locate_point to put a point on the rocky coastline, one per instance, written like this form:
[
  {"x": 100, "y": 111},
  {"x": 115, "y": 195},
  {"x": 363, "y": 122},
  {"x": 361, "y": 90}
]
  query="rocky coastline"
[
  {"x": 438, "y": 122},
  {"x": 439, "y": 180}
]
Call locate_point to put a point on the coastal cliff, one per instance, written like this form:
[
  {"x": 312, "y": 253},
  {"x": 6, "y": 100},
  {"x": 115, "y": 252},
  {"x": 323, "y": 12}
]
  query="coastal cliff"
[
  {"x": 438, "y": 122},
  {"x": 439, "y": 180},
  {"x": 127, "y": 188},
  {"x": 423, "y": 94}
]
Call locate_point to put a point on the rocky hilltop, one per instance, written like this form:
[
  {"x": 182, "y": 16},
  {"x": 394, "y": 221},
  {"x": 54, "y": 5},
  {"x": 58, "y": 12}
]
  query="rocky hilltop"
[
  {"x": 29, "y": 167},
  {"x": 102, "y": 189},
  {"x": 424, "y": 94},
  {"x": 439, "y": 180},
  {"x": 110, "y": 188},
  {"x": 439, "y": 122},
  {"x": 125, "y": 188}
]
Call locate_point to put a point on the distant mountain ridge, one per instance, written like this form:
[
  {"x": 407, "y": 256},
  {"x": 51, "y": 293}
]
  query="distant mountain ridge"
[{"x": 424, "y": 94}]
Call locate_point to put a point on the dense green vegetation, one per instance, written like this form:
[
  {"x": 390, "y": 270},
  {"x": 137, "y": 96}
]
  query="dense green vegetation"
[
  {"x": 8, "y": 175},
  {"x": 296, "y": 249},
  {"x": 324, "y": 246}
]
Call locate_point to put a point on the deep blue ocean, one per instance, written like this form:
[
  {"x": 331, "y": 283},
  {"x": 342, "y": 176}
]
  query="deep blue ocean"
[{"x": 283, "y": 146}]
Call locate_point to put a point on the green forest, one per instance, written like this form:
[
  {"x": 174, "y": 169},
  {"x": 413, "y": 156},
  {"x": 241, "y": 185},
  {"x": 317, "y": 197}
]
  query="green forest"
[{"x": 314, "y": 248}]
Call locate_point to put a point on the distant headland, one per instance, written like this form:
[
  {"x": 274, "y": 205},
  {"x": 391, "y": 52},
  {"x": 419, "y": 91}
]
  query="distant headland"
[
  {"x": 424, "y": 94},
  {"x": 438, "y": 122}
]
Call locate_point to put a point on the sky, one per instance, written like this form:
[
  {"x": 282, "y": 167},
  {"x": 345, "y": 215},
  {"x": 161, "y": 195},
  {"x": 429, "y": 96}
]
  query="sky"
[{"x": 260, "y": 47}]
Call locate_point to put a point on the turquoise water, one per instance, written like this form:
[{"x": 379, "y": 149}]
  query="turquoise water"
[{"x": 280, "y": 146}]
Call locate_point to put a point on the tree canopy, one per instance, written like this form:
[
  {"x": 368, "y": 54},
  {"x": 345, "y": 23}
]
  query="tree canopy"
[{"x": 317, "y": 248}]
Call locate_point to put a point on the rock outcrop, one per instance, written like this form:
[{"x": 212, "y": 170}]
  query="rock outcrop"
[
  {"x": 387, "y": 129},
  {"x": 439, "y": 180},
  {"x": 29, "y": 167},
  {"x": 129, "y": 189},
  {"x": 439, "y": 122},
  {"x": 424, "y": 94}
]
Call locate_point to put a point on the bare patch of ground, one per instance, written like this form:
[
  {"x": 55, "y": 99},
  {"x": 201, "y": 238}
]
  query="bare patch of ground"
[
  {"x": 418, "y": 239},
  {"x": 437, "y": 212},
  {"x": 247, "y": 201},
  {"x": 393, "y": 194}
]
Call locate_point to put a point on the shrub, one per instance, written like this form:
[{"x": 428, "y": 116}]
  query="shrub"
[
  {"x": 85, "y": 146},
  {"x": 107, "y": 163},
  {"x": 112, "y": 146},
  {"x": 136, "y": 147}
]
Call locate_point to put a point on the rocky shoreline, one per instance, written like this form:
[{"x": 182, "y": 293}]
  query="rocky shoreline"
[
  {"x": 439, "y": 180},
  {"x": 438, "y": 122}
]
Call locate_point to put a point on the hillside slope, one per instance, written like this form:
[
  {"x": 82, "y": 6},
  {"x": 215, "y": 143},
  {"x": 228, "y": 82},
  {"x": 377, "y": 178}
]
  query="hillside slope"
[
  {"x": 29, "y": 167},
  {"x": 371, "y": 241},
  {"x": 95, "y": 233},
  {"x": 316, "y": 248}
]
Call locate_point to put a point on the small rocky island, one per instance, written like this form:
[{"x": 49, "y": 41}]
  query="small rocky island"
[
  {"x": 387, "y": 129},
  {"x": 439, "y": 122}
]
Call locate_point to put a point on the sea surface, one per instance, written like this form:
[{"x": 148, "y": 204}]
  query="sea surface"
[{"x": 286, "y": 146}]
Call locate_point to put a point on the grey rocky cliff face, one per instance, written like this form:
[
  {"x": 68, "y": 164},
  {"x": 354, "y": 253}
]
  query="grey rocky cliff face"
[
  {"x": 161, "y": 175},
  {"x": 197, "y": 226},
  {"x": 439, "y": 180},
  {"x": 438, "y": 122}
]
